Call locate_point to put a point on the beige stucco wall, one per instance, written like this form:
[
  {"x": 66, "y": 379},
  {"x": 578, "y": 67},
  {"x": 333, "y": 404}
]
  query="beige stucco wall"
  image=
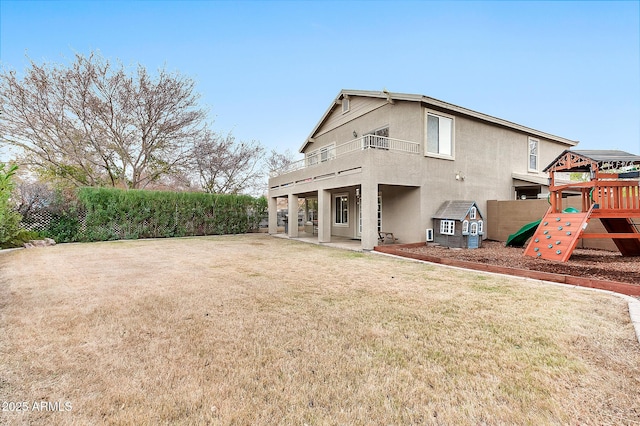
[
  {"x": 507, "y": 217},
  {"x": 414, "y": 185},
  {"x": 401, "y": 212},
  {"x": 404, "y": 120}
]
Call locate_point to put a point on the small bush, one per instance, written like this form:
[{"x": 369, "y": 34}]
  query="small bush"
[
  {"x": 9, "y": 218},
  {"x": 22, "y": 237},
  {"x": 64, "y": 227}
]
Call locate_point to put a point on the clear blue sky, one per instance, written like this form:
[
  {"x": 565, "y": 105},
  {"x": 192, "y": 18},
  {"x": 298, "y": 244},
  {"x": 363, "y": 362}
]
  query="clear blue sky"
[{"x": 268, "y": 70}]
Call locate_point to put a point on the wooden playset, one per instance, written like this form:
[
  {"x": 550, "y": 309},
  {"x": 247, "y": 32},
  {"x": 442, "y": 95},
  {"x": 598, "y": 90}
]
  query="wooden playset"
[{"x": 611, "y": 194}]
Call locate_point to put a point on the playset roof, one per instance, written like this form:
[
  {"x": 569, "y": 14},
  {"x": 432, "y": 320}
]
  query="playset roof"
[
  {"x": 455, "y": 210},
  {"x": 587, "y": 160}
]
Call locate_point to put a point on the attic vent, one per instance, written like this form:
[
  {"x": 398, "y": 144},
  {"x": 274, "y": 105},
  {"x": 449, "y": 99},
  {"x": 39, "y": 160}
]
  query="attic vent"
[{"x": 345, "y": 105}]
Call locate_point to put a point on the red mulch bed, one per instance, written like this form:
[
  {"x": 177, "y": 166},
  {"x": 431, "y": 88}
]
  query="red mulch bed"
[{"x": 587, "y": 268}]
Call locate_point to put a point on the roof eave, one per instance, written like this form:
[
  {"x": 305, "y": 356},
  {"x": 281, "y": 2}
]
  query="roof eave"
[
  {"x": 495, "y": 120},
  {"x": 428, "y": 101}
]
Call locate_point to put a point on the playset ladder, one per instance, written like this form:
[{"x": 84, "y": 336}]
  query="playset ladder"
[{"x": 557, "y": 235}]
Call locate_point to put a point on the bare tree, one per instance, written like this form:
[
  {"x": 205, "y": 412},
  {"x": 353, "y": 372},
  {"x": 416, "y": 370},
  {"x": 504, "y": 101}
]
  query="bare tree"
[
  {"x": 279, "y": 161},
  {"x": 91, "y": 123},
  {"x": 225, "y": 166},
  {"x": 33, "y": 195}
]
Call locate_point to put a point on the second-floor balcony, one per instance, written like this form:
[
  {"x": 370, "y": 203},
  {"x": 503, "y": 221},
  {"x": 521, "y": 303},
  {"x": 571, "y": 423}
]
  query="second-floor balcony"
[{"x": 331, "y": 152}]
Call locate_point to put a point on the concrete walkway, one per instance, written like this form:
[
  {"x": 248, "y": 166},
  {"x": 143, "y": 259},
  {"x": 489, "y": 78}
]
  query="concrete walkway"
[{"x": 343, "y": 243}]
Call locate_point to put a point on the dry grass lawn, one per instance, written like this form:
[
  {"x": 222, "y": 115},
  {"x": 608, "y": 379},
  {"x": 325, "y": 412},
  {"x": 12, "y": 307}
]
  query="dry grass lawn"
[{"x": 261, "y": 330}]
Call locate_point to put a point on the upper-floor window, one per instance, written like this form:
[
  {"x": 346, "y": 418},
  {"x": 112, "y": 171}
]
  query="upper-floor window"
[
  {"x": 326, "y": 153},
  {"x": 473, "y": 213},
  {"x": 312, "y": 158},
  {"x": 377, "y": 138},
  {"x": 534, "y": 146},
  {"x": 345, "y": 105},
  {"x": 439, "y": 135}
]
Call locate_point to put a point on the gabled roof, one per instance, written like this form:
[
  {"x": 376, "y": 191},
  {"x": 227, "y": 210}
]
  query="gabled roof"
[
  {"x": 435, "y": 104},
  {"x": 455, "y": 210},
  {"x": 587, "y": 160}
]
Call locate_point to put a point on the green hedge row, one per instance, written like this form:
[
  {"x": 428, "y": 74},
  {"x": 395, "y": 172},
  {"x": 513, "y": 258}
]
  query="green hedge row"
[
  {"x": 119, "y": 214},
  {"x": 111, "y": 214}
]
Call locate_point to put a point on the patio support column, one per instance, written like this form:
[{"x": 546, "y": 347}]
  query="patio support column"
[
  {"x": 324, "y": 216},
  {"x": 369, "y": 201},
  {"x": 273, "y": 215},
  {"x": 293, "y": 215}
]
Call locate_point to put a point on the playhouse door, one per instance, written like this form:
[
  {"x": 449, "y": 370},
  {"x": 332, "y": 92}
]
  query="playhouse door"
[{"x": 472, "y": 239}]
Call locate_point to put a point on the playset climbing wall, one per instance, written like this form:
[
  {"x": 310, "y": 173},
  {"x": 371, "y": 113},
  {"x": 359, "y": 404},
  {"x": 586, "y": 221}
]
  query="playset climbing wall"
[{"x": 557, "y": 235}]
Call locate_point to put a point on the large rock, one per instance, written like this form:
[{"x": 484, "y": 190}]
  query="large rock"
[{"x": 40, "y": 243}]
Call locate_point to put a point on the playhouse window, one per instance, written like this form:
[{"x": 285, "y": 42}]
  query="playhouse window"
[
  {"x": 447, "y": 227},
  {"x": 342, "y": 209},
  {"x": 439, "y": 135},
  {"x": 472, "y": 213},
  {"x": 480, "y": 227},
  {"x": 533, "y": 154},
  {"x": 465, "y": 227},
  {"x": 474, "y": 228}
]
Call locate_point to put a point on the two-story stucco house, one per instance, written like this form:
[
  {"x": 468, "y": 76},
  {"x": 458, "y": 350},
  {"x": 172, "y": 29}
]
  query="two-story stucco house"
[{"x": 387, "y": 161}]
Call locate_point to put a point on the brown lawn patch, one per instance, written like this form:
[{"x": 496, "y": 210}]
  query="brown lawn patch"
[{"x": 260, "y": 330}]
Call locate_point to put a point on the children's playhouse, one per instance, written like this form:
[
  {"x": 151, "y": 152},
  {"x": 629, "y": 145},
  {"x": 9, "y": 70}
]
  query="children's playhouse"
[{"x": 458, "y": 224}]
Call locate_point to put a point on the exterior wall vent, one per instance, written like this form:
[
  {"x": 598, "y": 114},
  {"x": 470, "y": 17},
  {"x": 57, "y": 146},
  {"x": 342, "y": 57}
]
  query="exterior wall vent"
[{"x": 429, "y": 234}]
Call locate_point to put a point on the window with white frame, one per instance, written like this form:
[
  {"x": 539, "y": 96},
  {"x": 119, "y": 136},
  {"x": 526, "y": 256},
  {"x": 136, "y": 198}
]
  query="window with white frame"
[
  {"x": 324, "y": 154},
  {"x": 534, "y": 147},
  {"x": 327, "y": 152},
  {"x": 480, "y": 227},
  {"x": 321, "y": 155},
  {"x": 378, "y": 138},
  {"x": 312, "y": 158},
  {"x": 439, "y": 135},
  {"x": 342, "y": 209},
  {"x": 465, "y": 227},
  {"x": 474, "y": 228},
  {"x": 473, "y": 213},
  {"x": 345, "y": 105},
  {"x": 447, "y": 227}
]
